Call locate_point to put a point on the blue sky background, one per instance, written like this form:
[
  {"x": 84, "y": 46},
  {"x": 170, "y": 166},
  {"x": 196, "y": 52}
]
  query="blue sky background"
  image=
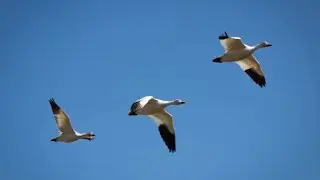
[{"x": 96, "y": 57}]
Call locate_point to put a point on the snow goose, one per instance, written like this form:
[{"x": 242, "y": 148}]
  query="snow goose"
[
  {"x": 155, "y": 109},
  {"x": 67, "y": 133},
  {"x": 242, "y": 54}
]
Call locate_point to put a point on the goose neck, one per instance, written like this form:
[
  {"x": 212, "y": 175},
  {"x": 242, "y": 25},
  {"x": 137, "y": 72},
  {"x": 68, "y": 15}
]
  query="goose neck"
[
  {"x": 258, "y": 46},
  {"x": 168, "y": 103}
]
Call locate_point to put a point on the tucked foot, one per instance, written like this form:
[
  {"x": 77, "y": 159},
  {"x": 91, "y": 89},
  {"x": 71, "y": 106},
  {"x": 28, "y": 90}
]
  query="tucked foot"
[{"x": 217, "y": 60}]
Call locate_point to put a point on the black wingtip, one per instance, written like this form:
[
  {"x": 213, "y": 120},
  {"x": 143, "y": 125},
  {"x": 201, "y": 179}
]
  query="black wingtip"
[
  {"x": 51, "y": 99},
  {"x": 217, "y": 60},
  {"x": 223, "y": 36},
  {"x": 132, "y": 114},
  {"x": 168, "y": 138},
  {"x": 257, "y": 78},
  {"x": 54, "y": 106},
  {"x": 133, "y": 108}
]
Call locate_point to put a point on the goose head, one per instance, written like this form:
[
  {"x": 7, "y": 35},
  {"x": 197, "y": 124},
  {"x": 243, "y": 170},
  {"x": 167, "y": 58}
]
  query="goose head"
[
  {"x": 265, "y": 44},
  {"x": 90, "y": 134},
  {"x": 178, "y": 101}
]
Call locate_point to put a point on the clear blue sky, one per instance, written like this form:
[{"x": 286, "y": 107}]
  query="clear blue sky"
[{"x": 96, "y": 57}]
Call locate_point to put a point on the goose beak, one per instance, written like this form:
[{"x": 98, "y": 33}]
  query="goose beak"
[
  {"x": 183, "y": 102},
  {"x": 268, "y": 45}
]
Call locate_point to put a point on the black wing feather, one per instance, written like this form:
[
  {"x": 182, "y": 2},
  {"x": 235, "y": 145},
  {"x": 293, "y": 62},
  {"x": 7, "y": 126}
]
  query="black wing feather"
[
  {"x": 54, "y": 106},
  {"x": 257, "y": 78},
  {"x": 223, "y": 36},
  {"x": 168, "y": 137},
  {"x": 134, "y": 107}
]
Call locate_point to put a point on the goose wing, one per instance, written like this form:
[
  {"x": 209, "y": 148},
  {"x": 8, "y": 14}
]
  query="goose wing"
[
  {"x": 140, "y": 103},
  {"x": 253, "y": 69},
  {"x": 166, "y": 129},
  {"x": 61, "y": 118},
  {"x": 231, "y": 43}
]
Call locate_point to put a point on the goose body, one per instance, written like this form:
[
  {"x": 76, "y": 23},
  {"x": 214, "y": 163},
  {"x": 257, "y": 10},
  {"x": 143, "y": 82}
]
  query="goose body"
[
  {"x": 67, "y": 133},
  {"x": 155, "y": 109},
  {"x": 242, "y": 54}
]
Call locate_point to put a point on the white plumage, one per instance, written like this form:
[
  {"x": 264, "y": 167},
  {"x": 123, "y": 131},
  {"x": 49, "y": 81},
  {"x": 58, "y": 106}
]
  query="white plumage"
[
  {"x": 67, "y": 133},
  {"x": 242, "y": 54},
  {"x": 155, "y": 109}
]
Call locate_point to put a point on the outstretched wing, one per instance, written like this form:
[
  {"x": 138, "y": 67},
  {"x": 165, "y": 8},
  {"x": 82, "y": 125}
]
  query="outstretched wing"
[
  {"x": 140, "y": 103},
  {"x": 231, "y": 43},
  {"x": 166, "y": 129},
  {"x": 253, "y": 69},
  {"x": 61, "y": 118}
]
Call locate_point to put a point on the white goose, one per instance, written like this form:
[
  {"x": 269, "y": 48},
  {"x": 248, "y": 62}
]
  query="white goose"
[
  {"x": 155, "y": 109},
  {"x": 67, "y": 133},
  {"x": 242, "y": 54}
]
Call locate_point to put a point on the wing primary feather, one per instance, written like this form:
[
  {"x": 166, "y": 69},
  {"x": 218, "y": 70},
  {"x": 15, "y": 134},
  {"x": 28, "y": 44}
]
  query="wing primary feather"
[
  {"x": 223, "y": 36},
  {"x": 257, "y": 78},
  {"x": 167, "y": 137},
  {"x": 55, "y": 108},
  {"x": 134, "y": 108}
]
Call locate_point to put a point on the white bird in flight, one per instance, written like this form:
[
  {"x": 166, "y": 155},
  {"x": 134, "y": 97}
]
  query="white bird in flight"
[
  {"x": 242, "y": 54},
  {"x": 67, "y": 133},
  {"x": 155, "y": 109}
]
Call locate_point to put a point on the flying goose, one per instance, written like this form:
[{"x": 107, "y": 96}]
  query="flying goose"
[
  {"x": 242, "y": 54},
  {"x": 67, "y": 133},
  {"x": 155, "y": 109}
]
